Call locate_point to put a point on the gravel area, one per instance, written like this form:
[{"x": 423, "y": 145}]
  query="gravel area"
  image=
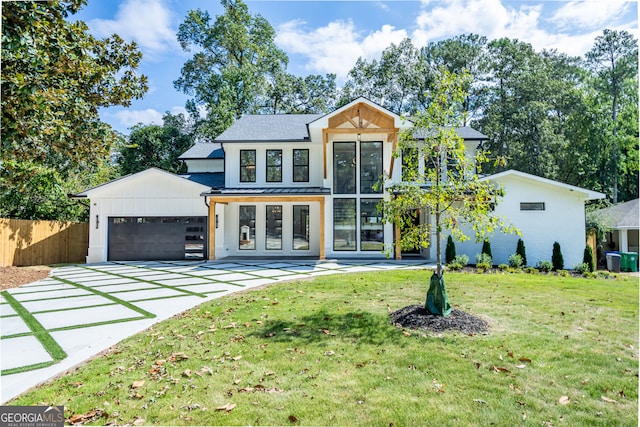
[
  {"x": 416, "y": 317},
  {"x": 12, "y": 277}
]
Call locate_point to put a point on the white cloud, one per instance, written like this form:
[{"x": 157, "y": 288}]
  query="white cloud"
[
  {"x": 589, "y": 14},
  {"x": 147, "y": 22},
  {"x": 491, "y": 18},
  {"x": 129, "y": 118},
  {"x": 335, "y": 47}
]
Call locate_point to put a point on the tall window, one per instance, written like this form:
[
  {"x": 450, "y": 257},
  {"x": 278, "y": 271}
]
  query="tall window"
[
  {"x": 301, "y": 165},
  {"x": 247, "y": 165},
  {"x": 301, "y": 227},
  {"x": 274, "y": 228},
  {"x": 371, "y": 227},
  {"x": 274, "y": 165},
  {"x": 247, "y": 222},
  {"x": 370, "y": 166},
  {"x": 344, "y": 224},
  {"x": 344, "y": 167}
]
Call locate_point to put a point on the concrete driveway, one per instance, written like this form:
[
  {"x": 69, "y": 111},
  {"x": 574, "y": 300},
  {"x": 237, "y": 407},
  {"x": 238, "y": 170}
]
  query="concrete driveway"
[{"x": 50, "y": 326}]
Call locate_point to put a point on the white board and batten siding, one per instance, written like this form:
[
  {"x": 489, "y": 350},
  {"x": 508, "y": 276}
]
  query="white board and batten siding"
[{"x": 152, "y": 193}]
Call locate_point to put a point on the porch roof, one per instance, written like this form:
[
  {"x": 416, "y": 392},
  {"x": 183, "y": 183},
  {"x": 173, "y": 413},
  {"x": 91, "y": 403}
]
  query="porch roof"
[
  {"x": 269, "y": 191},
  {"x": 621, "y": 216}
]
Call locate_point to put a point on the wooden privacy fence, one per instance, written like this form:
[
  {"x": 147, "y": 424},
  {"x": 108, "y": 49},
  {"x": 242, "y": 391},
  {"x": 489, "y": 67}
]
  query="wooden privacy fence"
[{"x": 25, "y": 242}]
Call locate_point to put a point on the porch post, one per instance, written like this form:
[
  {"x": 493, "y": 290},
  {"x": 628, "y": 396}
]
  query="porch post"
[
  {"x": 623, "y": 240},
  {"x": 212, "y": 230},
  {"x": 322, "y": 225}
]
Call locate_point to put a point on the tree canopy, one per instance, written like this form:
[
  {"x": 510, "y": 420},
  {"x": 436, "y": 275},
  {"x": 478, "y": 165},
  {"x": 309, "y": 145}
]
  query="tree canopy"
[{"x": 55, "y": 77}]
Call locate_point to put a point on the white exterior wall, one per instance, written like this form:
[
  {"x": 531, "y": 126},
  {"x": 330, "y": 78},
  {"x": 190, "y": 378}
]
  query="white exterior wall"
[
  {"x": 562, "y": 221},
  {"x": 149, "y": 193},
  {"x": 205, "y": 165},
  {"x": 232, "y": 164}
]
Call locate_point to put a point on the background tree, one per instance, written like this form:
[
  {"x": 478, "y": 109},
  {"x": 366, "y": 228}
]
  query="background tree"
[
  {"x": 614, "y": 59},
  {"x": 289, "y": 94},
  {"x": 55, "y": 76},
  {"x": 156, "y": 146},
  {"x": 450, "y": 190}
]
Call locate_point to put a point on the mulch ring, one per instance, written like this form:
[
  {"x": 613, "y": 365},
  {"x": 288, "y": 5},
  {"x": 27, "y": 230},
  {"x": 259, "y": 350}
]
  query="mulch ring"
[{"x": 417, "y": 317}]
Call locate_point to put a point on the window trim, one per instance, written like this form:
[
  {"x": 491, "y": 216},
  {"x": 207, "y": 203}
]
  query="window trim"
[
  {"x": 271, "y": 167},
  {"x": 297, "y": 166},
  {"x": 532, "y": 206},
  {"x": 247, "y": 166}
]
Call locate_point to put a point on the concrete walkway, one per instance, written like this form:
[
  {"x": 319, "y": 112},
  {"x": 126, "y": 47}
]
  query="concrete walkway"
[{"x": 49, "y": 327}]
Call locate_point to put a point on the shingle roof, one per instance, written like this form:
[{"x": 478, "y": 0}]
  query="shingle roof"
[
  {"x": 203, "y": 150},
  {"x": 211, "y": 179},
  {"x": 622, "y": 215},
  {"x": 269, "y": 127},
  {"x": 465, "y": 132}
]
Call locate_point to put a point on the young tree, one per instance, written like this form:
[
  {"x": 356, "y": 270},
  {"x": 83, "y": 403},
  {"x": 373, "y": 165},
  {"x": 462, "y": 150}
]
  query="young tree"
[{"x": 449, "y": 189}]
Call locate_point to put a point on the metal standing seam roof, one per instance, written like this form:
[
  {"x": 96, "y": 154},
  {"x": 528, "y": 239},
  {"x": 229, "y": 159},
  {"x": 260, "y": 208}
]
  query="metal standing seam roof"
[
  {"x": 269, "y": 127},
  {"x": 272, "y": 191}
]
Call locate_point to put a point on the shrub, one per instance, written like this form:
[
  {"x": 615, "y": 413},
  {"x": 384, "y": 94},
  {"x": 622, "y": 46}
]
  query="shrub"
[
  {"x": 483, "y": 261},
  {"x": 503, "y": 267},
  {"x": 520, "y": 250},
  {"x": 459, "y": 262},
  {"x": 556, "y": 257},
  {"x": 563, "y": 273},
  {"x": 486, "y": 248},
  {"x": 450, "y": 252},
  {"x": 582, "y": 268},
  {"x": 588, "y": 259},
  {"x": 515, "y": 260},
  {"x": 545, "y": 266},
  {"x": 530, "y": 270}
]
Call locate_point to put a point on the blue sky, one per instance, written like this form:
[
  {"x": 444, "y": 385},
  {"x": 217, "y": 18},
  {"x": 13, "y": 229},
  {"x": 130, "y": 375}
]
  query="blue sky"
[{"x": 329, "y": 36}]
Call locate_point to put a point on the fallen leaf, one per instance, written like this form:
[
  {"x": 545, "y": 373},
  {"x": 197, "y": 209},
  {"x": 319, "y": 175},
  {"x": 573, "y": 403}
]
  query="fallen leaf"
[
  {"x": 479, "y": 401},
  {"x": 139, "y": 421},
  {"x": 564, "y": 400},
  {"x": 521, "y": 366},
  {"x": 176, "y": 357},
  {"x": 88, "y": 416},
  {"x": 606, "y": 399},
  {"x": 499, "y": 369},
  {"x": 406, "y": 334},
  {"x": 227, "y": 408},
  {"x": 137, "y": 384},
  {"x": 293, "y": 418},
  {"x": 525, "y": 360},
  {"x": 187, "y": 373}
]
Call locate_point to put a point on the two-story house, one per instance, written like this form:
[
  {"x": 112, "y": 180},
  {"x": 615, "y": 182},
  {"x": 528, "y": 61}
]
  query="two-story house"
[{"x": 304, "y": 186}]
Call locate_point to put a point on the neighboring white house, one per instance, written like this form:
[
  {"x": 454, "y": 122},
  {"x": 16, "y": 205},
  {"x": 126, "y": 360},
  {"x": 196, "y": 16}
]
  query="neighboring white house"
[
  {"x": 303, "y": 185},
  {"x": 623, "y": 221}
]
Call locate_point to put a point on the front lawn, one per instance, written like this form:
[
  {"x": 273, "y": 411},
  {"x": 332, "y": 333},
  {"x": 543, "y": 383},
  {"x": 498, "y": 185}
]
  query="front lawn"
[{"x": 560, "y": 351}]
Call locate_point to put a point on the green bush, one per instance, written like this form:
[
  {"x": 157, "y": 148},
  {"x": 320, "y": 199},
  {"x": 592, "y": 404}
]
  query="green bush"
[
  {"x": 582, "y": 268},
  {"x": 556, "y": 257},
  {"x": 459, "y": 262},
  {"x": 530, "y": 270},
  {"x": 450, "y": 252},
  {"x": 503, "y": 267},
  {"x": 486, "y": 248},
  {"x": 588, "y": 259},
  {"x": 515, "y": 261},
  {"x": 520, "y": 250},
  {"x": 544, "y": 266},
  {"x": 483, "y": 261}
]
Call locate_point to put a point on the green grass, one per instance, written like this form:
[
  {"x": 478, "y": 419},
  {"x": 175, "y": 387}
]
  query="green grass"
[{"x": 321, "y": 352}]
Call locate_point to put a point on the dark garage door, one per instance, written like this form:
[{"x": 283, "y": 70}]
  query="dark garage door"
[{"x": 157, "y": 238}]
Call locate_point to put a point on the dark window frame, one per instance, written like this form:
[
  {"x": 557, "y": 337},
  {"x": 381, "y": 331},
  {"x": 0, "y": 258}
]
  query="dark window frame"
[
  {"x": 273, "y": 167},
  {"x": 247, "y": 169},
  {"x": 302, "y": 167},
  {"x": 533, "y": 206}
]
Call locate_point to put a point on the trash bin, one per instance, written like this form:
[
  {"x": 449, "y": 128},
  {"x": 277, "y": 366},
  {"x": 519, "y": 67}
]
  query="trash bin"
[
  {"x": 613, "y": 261},
  {"x": 628, "y": 261}
]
